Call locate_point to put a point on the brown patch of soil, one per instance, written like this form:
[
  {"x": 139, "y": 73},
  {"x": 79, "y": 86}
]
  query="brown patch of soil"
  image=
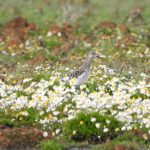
[
  {"x": 126, "y": 41},
  {"x": 106, "y": 36},
  {"x": 65, "y": 61},
  {"x": 136, "y": 10},
  {"x": 136, "y": 14},
  {"x": 20, "y": 138},
  {"x": 64, "y": 48},
  {"x": 38, "y": 59},
  {"x": 123, "y": 28},
  {"x": 141, "y": 134},
  {"x": 67, "y": 31},
  {"x": 16, "y": 31},
  {"x": 55, "y": 29},
  {"x": 107, "y": 25},
  {"x": 121, "y": 147}
]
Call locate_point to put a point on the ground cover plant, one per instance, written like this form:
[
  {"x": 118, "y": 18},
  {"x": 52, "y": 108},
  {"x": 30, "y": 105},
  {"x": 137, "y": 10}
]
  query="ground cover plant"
[{"x": 39, "y": 106}]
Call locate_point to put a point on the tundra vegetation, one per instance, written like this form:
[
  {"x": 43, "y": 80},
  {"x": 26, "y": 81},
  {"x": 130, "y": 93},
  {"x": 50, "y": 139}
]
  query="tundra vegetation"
[{"x": 41, "y": 42}]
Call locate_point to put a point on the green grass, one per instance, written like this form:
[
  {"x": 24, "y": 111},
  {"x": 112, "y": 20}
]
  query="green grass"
[
  {"x": 51, "y": 145},
  {"x": 40, "y": 11},
  {"x": 51, "y": 12},
  {"x": 81, "y": 127},
  {"x": 128, "y": 140}
]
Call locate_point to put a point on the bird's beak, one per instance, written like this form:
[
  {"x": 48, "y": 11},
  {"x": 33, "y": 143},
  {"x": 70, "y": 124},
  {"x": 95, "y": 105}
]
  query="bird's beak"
[{"x": 100, "y": 56}]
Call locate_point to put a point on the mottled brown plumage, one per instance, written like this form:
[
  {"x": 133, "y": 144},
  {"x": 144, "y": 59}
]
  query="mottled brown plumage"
[{"x": 83, "y": 73}]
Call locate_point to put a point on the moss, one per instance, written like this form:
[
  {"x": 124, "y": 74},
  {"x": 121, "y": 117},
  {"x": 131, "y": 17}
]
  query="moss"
[
  {"x": 82, "y": 128},
  {"x": 126, "y": 140},
  {"x": 51, "y": 145}
]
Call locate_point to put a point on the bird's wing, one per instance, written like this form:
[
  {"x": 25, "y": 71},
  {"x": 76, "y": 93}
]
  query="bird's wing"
[{"x": 76, "y": 73}]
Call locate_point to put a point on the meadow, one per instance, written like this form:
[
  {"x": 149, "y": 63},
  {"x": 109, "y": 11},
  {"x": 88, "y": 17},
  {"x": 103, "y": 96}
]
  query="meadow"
[{"x": 42, "y": 42}]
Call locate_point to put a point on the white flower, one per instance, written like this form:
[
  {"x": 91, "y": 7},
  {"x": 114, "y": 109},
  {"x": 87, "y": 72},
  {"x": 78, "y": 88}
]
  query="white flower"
[
  {"x": 123, "y": 128},
  {"x": 106, "y": 129},
  {"x": 70, "y": 117},
  {"x": 59, "y": 34},
  {"x": 67, "y": 68},
  {"x": 129, "y": 128},
  {"x": 27, "y": 43},
  {"x": 13, "y": 54},
  {"x": 40, "y": 37},
  {"x": 27, "y": 80},
  {"x": 147, "y": 125},
  {"x": 82, "y": 86},
  {"x": 41, "y": 113},
  {"x": 57, "y": 131},
  {"x": 93, "y": 119},
  {"x": 49, "y": 34},
  {"x": 87, "y": 45},
  {"x": 45, "y": 134},
  {"x": 99, "y": 137},
  {"x": 97, "y": 125},
  {"x": 145, "y": 136},
  {"x": 74, "y": 132},
  {"x": 55, "y": 113},
  {"x": 25, "y": 113},
  {"x": 108, "y": 121},
  {"x": 117, "y": 129}
]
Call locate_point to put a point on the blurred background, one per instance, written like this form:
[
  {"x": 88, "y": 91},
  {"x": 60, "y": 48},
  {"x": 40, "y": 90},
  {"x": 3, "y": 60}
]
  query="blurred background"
[
  {"x": 43, "y": 12},
  {"x": 33, "y": 32},
  {"x": 42, "y": 41}
]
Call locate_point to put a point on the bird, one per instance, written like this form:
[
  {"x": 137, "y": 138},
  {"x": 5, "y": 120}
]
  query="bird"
[{"x": 82, "y": 74}]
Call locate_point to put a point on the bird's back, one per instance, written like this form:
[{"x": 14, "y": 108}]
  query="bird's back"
[{"x": 76, "y": 73}]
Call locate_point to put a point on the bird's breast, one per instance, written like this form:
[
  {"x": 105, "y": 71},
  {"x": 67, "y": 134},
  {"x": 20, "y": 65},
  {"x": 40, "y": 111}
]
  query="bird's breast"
[{"x": 82, "y": 78}]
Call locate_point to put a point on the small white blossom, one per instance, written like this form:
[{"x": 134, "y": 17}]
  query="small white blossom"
[
  {"x": 57, "y": 131},
  {"x": 49, "y": 34},
  {"x": 123, "y": 128},
  {"x": 93, "y": 119},
  {"x": 106, "y": 129},
  {"x": 45, "y": 134},
  {"x": 108, "y": 121},
  {"x": 97, "y": 125},
  {"x": 59, "y": 34}
]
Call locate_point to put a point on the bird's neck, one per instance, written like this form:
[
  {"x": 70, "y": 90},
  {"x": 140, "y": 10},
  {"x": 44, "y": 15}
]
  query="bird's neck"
[{"x": 87, "y": 63}]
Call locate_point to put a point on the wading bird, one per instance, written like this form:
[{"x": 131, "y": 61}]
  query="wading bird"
[{"x": 82, "y": 74}]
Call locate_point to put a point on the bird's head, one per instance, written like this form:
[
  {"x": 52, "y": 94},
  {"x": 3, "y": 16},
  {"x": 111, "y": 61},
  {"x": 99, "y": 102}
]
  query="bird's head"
[
  {"x": 91, "y": 56},
  {"x": 95, "y": 55}
]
